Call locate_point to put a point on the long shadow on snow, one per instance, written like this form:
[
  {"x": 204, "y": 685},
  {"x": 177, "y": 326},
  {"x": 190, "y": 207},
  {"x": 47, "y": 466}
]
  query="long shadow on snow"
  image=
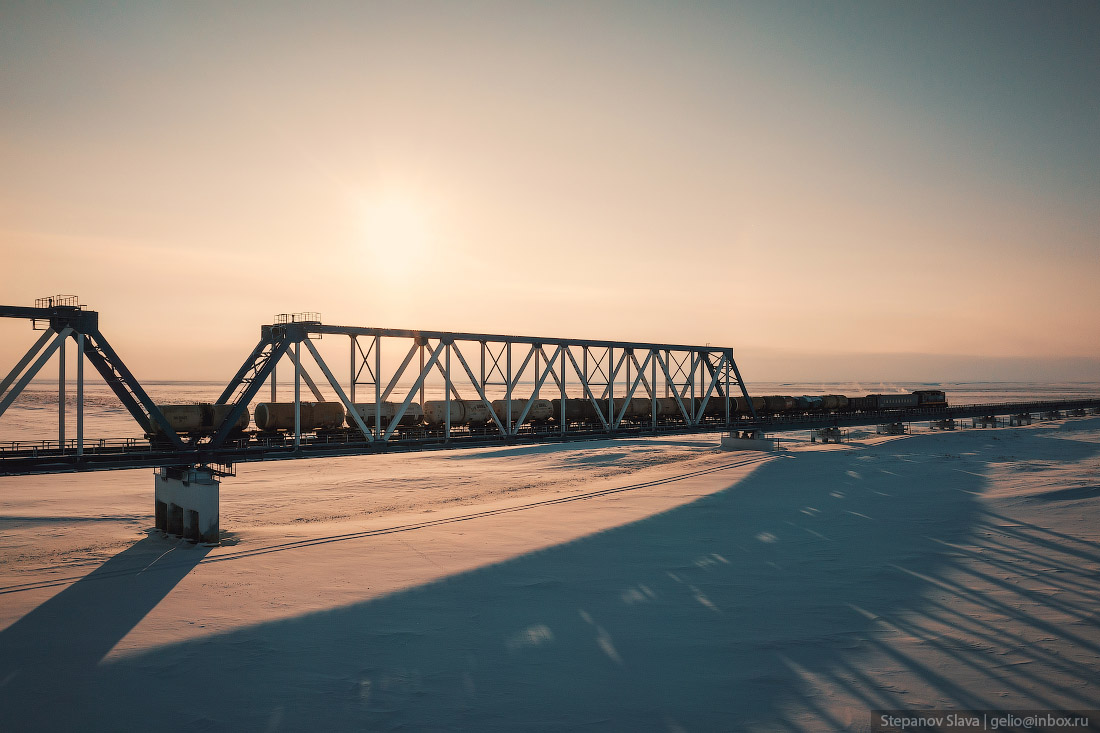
[
  {"x": 703, "y": 617},
  {"x": 49, "y": 659}
]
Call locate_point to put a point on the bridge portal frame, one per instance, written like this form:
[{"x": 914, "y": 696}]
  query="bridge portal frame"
[{"x": 65, "y": 318}]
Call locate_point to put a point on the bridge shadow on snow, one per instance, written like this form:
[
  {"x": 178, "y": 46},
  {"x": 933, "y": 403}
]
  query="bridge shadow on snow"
[
  {"x": 709, "y": 616},
  {"x": 49, "y": 657}
]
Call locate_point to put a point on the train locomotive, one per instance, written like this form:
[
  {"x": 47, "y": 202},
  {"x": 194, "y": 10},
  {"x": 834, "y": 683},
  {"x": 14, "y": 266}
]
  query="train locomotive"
[{"x": 199, "y": 421}]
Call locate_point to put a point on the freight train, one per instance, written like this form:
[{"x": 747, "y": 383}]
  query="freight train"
[{"x": 277, "y": 418}]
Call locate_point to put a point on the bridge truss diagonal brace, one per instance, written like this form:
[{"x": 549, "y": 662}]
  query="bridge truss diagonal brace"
[
  {"x": 538, "y": 385},
  {"x": 715, "y": 373},
  {"x": 675, "y": 392},
  {"x": 587, "y": 389},
  {"x": 741, "y": 384},
  {"x": 480, "y": 390},
  {"x": 249, "y": 364},
  {"x": 29, "y": 374},
  {"x": 27, "y": 359},
  {"x": 633, "y": 387},
  {"x": 651, "y": 389},
  {"x": 126, "y": 387},
  {"x": 433, "y": 358},
  {"x": 400, "y": 370},
  {"x": 305, "y": 374},
  {"x": 261, "y": 372},
  {"x": 356, "y": 418},
  {"x": 615, "y": 369}
]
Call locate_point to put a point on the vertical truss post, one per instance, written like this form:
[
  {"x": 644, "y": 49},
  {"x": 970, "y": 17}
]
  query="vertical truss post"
[
  {"x": 562, "y": 385},
  {"x": 297, "y": 396},
  {"x": 378, "y": 386},
  {"x": 584, "y": 357},
  {"x": 694, "y": 364},
  {"x": 667, "y": 386},
  {"x": 80, "y": 394},
  {"x": 537, "y": 347},
  {"x": 351, "y": 387},
  {"x": 626, "y": 404},
  {"x": 729, "y": 361},
  {"x": 274, "y": 390},
  {"x": 611, "y": 386},
  {"x": 508, "y": 389},
  {"x": 61, "y": 382},
  {"x": 447, "y": 394},
  {"x": 422, "y": 371},
  {"x": 653, "y": 389}
]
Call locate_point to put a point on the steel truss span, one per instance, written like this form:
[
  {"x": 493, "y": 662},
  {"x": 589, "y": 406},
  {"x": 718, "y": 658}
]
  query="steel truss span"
[{"x": 620, "y": 385}]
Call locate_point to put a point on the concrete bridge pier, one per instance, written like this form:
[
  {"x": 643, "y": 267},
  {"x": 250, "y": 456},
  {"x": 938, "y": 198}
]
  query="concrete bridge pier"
[
  {"x": 1021, "y": 419},
  {"x": 748, "y": 440},
  {"x": 187, "y": 501},
  {"x": 987, "y": 421}
]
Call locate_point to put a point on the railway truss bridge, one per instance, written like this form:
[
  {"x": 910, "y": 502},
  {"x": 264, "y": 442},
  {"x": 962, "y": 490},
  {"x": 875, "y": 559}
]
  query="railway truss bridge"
[{"x": 689, "y": 389}]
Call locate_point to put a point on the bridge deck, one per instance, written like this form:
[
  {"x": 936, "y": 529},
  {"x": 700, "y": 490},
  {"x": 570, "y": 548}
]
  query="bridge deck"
[{"x": 41, "y": 457}]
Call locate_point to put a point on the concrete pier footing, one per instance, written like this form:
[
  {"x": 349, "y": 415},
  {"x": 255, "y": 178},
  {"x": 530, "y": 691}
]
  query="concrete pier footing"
[
  {"x": 892, "y": 428},
  {"x": 748, "y": 440},
  {"x": 1051, "y": 415},
  {"x": 1017, "y": 420},
  {"x": 947, "y": 424},
  {"x": 987, "y": 421},
  {"x": 186, "y": 503}
]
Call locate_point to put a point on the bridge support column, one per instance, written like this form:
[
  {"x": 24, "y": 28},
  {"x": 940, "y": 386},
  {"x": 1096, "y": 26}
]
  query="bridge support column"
[
  {"x": 945, "y": 424},
  {"x": 986, "y": 421},
  {"x": 1023, "y": 418},
  {"x": 186, "y": 502},
  {"x": 1051, "y": 415},
  {"x": 892, "y": 428}
]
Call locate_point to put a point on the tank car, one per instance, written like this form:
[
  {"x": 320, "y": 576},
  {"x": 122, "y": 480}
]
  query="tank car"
[
  {"x": 279, "y": 416},
  {"x": 463, "y": 412},
  {"x": 541, "y": 410},
  {"x": 196, "y": 420},
  {"x": 414, "y": 413}
]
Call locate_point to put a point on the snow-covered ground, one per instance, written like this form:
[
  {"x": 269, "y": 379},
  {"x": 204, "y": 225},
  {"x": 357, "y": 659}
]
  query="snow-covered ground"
[{"x": 626, "y": 585}]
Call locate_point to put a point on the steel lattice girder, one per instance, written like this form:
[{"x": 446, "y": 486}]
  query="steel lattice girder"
[{"x": 703, "y": 371}]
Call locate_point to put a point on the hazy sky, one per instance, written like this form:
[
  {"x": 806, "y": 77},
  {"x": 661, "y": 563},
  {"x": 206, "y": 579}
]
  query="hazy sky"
[{"x": 823, "y": 186}]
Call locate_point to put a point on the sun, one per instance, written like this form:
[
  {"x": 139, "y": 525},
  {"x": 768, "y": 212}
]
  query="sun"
[{"x": 394, "y": 234}]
